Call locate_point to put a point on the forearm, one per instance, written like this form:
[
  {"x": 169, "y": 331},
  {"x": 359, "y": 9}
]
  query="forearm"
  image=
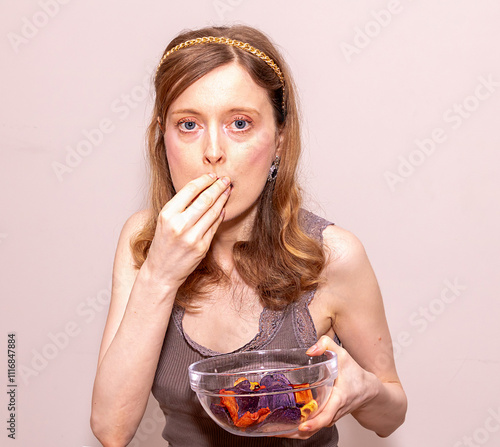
[
  {"x": 125, "y": 374},
  {"x": 386, "y": 411}
]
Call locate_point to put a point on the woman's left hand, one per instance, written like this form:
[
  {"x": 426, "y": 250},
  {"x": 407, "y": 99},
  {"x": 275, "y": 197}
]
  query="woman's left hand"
[{"x": 353, "y": 388}]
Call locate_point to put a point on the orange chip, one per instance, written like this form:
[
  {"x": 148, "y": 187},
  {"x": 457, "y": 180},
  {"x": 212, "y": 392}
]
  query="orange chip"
[
  {"x": 231, "y": 404},
  {"x": 303, "y": 396},
  {"x": 252, "y": 418}
]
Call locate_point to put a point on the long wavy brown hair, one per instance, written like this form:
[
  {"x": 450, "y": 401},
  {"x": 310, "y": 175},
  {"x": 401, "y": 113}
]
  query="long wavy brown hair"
[{"x": 279, "y": 260}]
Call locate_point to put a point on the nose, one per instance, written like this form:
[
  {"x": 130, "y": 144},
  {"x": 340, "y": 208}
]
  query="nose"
[{"x": 213, "y": 152}]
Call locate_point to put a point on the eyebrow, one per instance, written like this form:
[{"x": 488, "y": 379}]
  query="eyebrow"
[
  {"x": 250, "y": 110},
  {"x": 185, "y": 111},
  {"x": 245, "y": 110}
]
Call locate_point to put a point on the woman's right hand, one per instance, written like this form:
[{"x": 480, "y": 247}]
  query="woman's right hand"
[
  {"x": 185, "y": 228},
  {"x": 141, "y": 302}
]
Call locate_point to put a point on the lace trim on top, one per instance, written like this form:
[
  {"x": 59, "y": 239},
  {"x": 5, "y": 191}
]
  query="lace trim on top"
[
  {"x": 269, "y": 323},
  {"x": 271, "y": 320},
  {"x": 303, "y": 327},
  {"x": 314, "y": 226}
]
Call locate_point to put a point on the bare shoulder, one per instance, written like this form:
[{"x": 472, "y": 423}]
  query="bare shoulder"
[
  {"x": 132, "y": 225},
  {"x": 355, "y": 302},
  {"x": 135, "y": 222},
  {"x": 349, "y": 280},
  {"x": 345, "y": 252},
  {"x": 124, "y": 270},
  {"x": 124, "y": 275}
]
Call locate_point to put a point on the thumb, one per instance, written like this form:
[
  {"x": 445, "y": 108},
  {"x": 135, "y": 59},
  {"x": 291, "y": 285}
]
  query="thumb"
[{"x": 323, "y": 344}]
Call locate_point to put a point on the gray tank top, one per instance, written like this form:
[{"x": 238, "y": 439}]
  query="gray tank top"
[{"x": 187, "y": 424}]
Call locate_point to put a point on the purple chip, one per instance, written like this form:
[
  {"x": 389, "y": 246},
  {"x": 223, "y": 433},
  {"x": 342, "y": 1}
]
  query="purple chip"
[
  {"x": 274, "y": 383},
  {"x": 221, "y": 413}
]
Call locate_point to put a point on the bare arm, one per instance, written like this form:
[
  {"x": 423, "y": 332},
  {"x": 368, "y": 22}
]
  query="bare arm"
[
  {"x": 141, "y": 303},
  {"x": 137, "y": 320},
  {"x": 367, "y": 385}
]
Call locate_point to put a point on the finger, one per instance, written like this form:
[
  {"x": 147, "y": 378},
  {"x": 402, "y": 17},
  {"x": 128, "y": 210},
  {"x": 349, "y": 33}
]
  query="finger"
[
  {"x": 205, "y": 201},
  {"x": 209, "y": 235},
  {"x": 297, "y": 434},
  {"x": 326, "y": 418},
  {"x": 323, "y": 344},
  {"x": 213, "y": 216},
  {"x": 189, "y": 192}
]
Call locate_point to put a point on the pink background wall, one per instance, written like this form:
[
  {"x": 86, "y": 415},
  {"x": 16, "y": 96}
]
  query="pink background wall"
[{"x": 378, "y": 81}]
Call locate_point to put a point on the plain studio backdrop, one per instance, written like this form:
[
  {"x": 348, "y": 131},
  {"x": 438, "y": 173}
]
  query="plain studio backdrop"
[{"x": 400, "y": 103}]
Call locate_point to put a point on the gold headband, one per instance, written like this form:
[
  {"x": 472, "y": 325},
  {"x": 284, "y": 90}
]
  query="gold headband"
[{"x": 235, "y": 43}]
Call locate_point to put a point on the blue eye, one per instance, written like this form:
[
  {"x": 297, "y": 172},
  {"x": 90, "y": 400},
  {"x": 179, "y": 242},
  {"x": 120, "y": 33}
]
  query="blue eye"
[
  {"x": 240, "y": 124},
  {"x": 188, "y": 125}
]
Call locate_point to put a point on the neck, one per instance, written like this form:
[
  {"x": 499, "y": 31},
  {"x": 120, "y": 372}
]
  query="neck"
[{"x": 229, "y": 232}]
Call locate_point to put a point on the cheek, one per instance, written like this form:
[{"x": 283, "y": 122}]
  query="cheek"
[
  {"x": 259, "y": 155},
  {"x": 172, "y": 148},
  {"x": 179, "y": 162}
]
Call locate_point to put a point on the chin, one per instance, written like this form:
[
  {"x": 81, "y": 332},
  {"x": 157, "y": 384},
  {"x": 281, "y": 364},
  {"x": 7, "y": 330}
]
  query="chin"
[{"x": 240, "y": 215}]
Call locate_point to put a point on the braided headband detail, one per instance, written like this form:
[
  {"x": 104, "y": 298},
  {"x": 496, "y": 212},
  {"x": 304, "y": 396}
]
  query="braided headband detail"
[{"x": 235, "y": 43}]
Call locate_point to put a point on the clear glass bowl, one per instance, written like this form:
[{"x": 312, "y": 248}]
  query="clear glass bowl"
[{"x": 263, "y": 393}]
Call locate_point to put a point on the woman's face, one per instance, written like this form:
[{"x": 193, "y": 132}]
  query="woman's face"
[{"x": 223, "y": 123}]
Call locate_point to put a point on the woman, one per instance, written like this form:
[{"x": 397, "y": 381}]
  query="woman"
[{"x": 225, "y": 252}]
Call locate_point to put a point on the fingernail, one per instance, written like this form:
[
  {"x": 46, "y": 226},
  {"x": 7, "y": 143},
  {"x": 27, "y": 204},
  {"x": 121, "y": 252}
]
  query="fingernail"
[
  {"x": 226, "y": 180},
  {"x": 305, "y": 428},
  {"x": 211, "y": 174},
  {"x": 312, "y": 349},
  {"x": 228, "y": 190}
]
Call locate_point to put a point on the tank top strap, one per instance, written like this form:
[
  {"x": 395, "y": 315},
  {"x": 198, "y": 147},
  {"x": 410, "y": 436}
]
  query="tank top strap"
[
  {"x": 305, "y": 331},
  {"x": 313, "y": 224}
]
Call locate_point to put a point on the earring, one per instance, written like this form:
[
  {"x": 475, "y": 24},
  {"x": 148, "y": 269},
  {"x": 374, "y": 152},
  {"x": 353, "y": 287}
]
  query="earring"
[
  {"x": 273, "y": 170},
  {"x": 159, "y": 123}
]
